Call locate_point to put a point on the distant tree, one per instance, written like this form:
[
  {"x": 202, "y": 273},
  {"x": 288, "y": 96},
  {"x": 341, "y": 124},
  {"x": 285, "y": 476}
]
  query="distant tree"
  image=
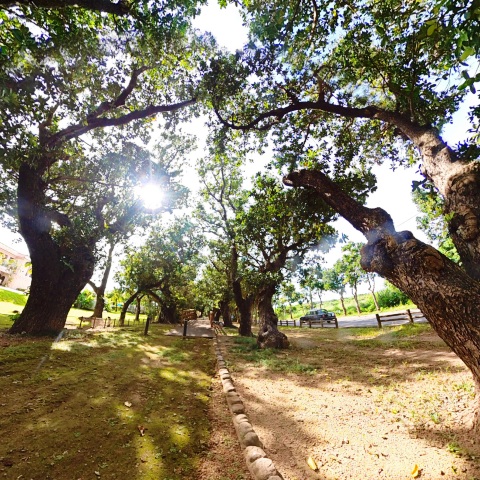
[
  {"x": 291, "y": 295},
  {"x": 335, "y": 282},
  {"x": 353, "y": 273},
  {"x": 162, "y": 268},
  {"x": 311, "y": 279}
]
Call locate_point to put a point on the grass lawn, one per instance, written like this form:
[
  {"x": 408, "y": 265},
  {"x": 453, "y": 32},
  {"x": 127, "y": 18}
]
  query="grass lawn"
[{"x": 113, "y": 405}]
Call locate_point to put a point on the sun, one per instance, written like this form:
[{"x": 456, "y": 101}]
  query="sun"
[{"x": 151, "y": 195}]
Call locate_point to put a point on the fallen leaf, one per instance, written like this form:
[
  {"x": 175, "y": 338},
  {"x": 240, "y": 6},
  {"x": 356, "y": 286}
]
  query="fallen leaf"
[
  {"x": 128, "y": 404},
  {"x": 312, "y": 464}
]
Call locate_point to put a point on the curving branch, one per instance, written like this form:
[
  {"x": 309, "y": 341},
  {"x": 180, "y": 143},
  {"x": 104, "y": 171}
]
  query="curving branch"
[
  {"x": 75, "y": 131},
  {"x": 370, "y": 221}
]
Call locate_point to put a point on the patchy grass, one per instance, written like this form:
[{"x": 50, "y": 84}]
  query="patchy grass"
[{"x": 77, "y": 408}]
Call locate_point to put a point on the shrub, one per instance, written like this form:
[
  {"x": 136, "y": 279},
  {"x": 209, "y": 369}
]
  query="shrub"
[
  {"x": 85, "y": 300},
  {"x": 391, "y": 297}
]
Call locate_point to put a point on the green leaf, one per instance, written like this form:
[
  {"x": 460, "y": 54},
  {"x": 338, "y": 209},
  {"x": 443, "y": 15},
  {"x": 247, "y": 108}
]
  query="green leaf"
[
  {"x": 467, "y": 53},
  {"x": 431, "y": 29}
]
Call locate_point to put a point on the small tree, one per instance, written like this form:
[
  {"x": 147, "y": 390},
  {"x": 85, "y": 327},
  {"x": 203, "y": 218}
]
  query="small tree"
[{"x": 335, "y": 282}]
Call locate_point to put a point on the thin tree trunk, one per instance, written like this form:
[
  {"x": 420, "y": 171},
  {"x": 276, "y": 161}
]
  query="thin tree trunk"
[
  {"x": 137, "y": 308},
  {"x": 269, "y": 336},
  {"x": 121, "y": 321},
  {"x": 375, "y": 300},
  {"x": 342, "y": 301},
  {"x": 355, "y": 297},
  {"x": 100, "y": 289}
]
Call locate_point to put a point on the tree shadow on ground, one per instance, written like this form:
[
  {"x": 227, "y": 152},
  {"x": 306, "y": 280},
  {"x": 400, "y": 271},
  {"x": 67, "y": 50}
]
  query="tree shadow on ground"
[{"x": 115, "y": 405}]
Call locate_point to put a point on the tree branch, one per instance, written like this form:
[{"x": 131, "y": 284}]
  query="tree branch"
[
  {"x": 122, "y": 98},
  {"x": 79, "y": 129},
  {"x": 119, "y": 8},
  {"x": 369, "y": 221}
]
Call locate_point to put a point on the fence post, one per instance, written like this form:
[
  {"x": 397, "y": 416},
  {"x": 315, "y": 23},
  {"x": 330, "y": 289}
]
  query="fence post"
[
  {"x": 378, "y": 320},
  {"x": 410, "y": 315},
  {"x": 147, "y": 324},
  {"x": 185, "y": 323}
]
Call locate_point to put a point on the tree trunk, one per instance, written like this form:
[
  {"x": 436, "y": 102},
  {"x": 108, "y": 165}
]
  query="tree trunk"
[
  {"x": 217, "y": 313},
  {"x": 225, "y": 309},
  {"x": 123, "y": 313},
  {"x": 244, "y": 306},
  {"x": 355, "y": 297},
  {"x": 100, "y": 289},
  {"x": 375, "y": 301},
  {"x": 58, "y": 274},
  {"x": 342, "y": 301},
  {"x": 448, "y": 296},
  {"x": 269, "y": 336},
  {"x": 169, "y": 313},
  {"x": 319, "y": 295},
  {"x": 137, "y": 308}
]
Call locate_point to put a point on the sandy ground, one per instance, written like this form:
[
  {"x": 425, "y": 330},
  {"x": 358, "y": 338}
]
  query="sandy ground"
[{"x": 376, "y": 413}]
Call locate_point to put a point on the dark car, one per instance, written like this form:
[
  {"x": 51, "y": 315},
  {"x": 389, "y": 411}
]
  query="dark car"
[{"x": 319, "y": 314}]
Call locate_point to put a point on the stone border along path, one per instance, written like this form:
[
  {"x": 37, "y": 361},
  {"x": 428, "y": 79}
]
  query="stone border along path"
[{"x": 260, "y": 466}]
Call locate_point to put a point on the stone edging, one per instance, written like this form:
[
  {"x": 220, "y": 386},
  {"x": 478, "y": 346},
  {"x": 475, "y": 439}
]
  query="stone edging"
[{"x": 261, "y": 467}]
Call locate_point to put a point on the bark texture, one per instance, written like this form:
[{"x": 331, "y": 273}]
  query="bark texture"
[
  {"x": 225, "y": 309},
  {"x": 58, "y": 275},
  {"x": 100, "y": 289},
  {"x": 244, "y": 306},
  {"x": 268, "y": 335},
  {"x": 447, "y": 295}
]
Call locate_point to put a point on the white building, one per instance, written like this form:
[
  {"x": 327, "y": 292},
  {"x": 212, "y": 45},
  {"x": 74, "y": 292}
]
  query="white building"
[{"x": 14, "y": 269}]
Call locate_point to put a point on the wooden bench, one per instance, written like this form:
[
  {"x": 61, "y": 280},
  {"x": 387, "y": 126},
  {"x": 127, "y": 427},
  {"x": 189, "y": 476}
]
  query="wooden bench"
[
  {"x": 324, "y": 322},
  {"x": 407, "y": 316}
]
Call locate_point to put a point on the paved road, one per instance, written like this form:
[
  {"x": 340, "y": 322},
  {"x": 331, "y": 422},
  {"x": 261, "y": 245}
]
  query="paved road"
[{"x": 363, "y": 321}]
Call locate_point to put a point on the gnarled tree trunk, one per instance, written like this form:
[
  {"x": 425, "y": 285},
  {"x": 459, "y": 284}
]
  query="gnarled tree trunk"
[
  {"x": 244, "y": 306},
  {"x": 447, "y": 295},
  {"x": 127, "y": 303},
  {"x": 268, "y": 335},
  {"x": 58, "y": 274},
  {"x": 225, "y": 309}
]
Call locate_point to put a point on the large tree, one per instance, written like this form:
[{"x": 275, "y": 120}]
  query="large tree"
[
  {"x": 76, "y": 82},
  {"x": 340, "y": 86},
  {"x": 278, "y": 225}
]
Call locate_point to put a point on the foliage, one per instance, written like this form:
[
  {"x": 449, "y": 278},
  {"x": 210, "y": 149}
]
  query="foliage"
[
  {"x": 85, "y": 300},
  {"x": 432, "y": 222},
  {"x": 165, "y": 264},
  {"x": 391, "y": 297}
]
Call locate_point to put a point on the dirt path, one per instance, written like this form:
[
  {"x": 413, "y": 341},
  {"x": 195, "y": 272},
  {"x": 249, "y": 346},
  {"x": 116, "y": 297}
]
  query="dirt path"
[{"x": 360, "y": 410}]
